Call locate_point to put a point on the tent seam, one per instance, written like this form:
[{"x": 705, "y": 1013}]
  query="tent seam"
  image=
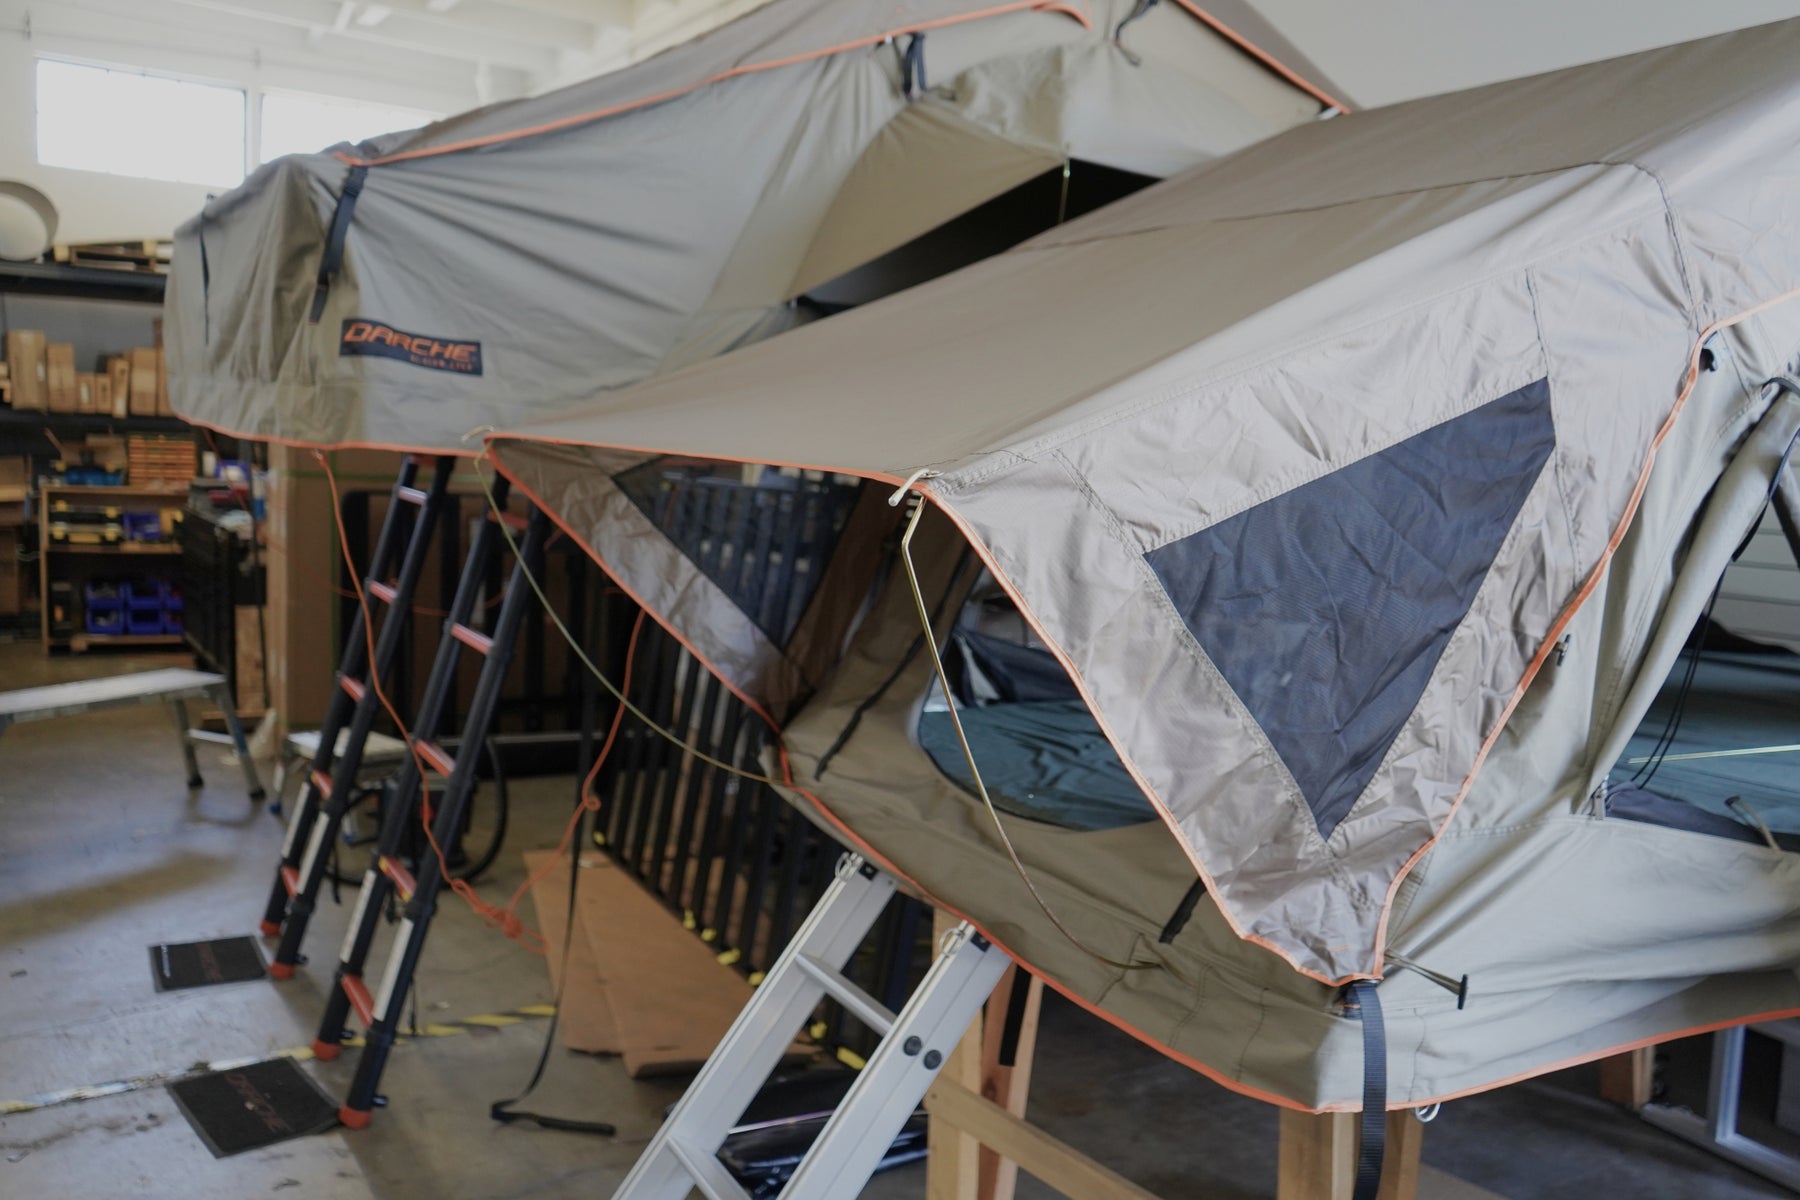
[
  {"x": 1158, "y": 596},
  {"x": 1082, "y": 15},
  {"x": 1301, "y": 478},
  {"x": 1558, "y": 459},
  {"x": 1176, "y": 392},
  {"x": 1458, "y": 636},
  {"x": 1649, "y": 611}
]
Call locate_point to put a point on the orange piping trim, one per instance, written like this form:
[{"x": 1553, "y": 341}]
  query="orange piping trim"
[
  {"x": 1574, "y": 606},
  {"x": 1080, "y": 683},
  {"x": 1193, "y": 1064},
  {"x": 298, "y": 444},
  {"x": 1780, "y": 1014},
  {"x": 850, "y": 834},
  {"x": 556, "y": 519},
  {"x": 1156, "y": 801},
  {"x": 750, "y": 68},
  {"x": 1265, "y": 58},
  {"x": 503, "y": 436}
]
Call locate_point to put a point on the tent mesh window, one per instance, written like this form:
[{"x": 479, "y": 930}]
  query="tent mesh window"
[
  {"x": 1327, "y": 607},
  {"x": 1715, "y": 753},
  {"x": 1041, "y": 754}
]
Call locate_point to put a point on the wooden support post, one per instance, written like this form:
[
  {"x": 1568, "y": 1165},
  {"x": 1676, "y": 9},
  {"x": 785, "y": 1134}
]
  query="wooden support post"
[
  {"x": 953, "y": 1164},
  {"x": 1318, "y": 1156},
  {"x": 1626, "y": 1079},
  {"x": 1069, "y": 1171},
  {"x": 1008, "y": 1045}
]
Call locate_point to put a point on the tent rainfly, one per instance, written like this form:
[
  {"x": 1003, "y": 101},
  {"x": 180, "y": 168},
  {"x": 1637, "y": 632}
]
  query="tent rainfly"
[
  {"x": 509, "y": 262},
  {"x": 1320, "y": 523}
]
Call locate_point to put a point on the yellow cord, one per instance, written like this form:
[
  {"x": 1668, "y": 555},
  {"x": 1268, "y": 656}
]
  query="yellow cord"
[
  {"x": 617, "y": 693},
  {"x": 937, "y": 662}
]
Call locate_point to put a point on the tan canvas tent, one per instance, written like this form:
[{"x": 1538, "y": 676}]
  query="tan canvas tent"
[
  {"x": 510, "y": 261},
  {"x": 1335, "y": 510}
]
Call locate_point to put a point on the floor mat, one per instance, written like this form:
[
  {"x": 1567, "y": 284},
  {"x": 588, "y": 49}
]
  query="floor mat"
[
  {"x": 179, "y": 965},
  {"x": 254, "y": 1106}
]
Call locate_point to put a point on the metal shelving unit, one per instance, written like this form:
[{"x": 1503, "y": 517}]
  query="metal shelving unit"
[{"x": 88, "y": 560}]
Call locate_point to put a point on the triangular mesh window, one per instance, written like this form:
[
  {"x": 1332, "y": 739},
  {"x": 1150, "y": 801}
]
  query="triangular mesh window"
[{"x": 1327, "y": 607}]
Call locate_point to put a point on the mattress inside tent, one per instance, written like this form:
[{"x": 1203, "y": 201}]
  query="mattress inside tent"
[
  {"x": 1041, "y": 754},
  {"x": 1744, "y": 698},
  {"x": 1043, "y": 757}
]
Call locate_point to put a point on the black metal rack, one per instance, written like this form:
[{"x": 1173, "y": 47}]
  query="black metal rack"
[{"x": 218, "y": 575}]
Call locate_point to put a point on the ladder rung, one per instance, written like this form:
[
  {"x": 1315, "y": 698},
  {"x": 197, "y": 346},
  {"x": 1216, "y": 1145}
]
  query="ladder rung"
[
  {"x": 290, "y": 879},
  {"x": 473, "y": 639},
  {"x": 411, "y": 495},
  {"x": 381, "y": 591},
  {"x": 510, "y": 520},
  {"x": 708, "y": 1173},
  {"x": 353, "y": 688},
  {"x": 435, "y": 758},
  {"x": 402, "y": 878},
  {"x": 862, "y": 1006},
  {"x": 321, "y": 784},
  {"x": 360, "y": 1000}
]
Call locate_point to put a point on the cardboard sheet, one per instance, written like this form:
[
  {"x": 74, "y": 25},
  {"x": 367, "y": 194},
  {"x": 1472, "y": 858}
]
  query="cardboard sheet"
[{"x": 669, "y": 998}]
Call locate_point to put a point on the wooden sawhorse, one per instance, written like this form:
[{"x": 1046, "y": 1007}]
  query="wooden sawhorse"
[
  {"x": 173, "y": 686},
  {"x": 980, "y": 1139}
]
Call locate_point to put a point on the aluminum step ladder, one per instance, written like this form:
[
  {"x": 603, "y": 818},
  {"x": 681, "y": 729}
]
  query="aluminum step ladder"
[
  {"x": 329, "y": 786},
  {"x": 388, "y": 876},
  {"x": 683, "y": 1156}
]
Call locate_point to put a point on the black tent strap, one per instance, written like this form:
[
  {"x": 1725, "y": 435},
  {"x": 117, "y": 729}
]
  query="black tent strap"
[
  {"x": 1012, "y": 1030},
  {"x": 205, "y": 283},
  {"x": 912, "y": 67},
  {"x": 502, "y": 1110},
  {"x": 1142, "y": 7},
  {"x": 1183, "y": 912},
  {"x": 333, "y": 258},
  {"x": 1361, "y": 1002}
]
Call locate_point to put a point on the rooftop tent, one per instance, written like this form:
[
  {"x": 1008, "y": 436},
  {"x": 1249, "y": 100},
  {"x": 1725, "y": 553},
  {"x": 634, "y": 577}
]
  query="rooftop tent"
[
  {"x": 1364, "y": 485},
  {"x": 511, "y": 261}
]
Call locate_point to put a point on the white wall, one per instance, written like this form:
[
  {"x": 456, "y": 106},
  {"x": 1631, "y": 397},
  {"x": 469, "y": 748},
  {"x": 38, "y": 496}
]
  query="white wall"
[
  {"x": 1383, "y": 51},
  {"x": 99, "y": 207}
]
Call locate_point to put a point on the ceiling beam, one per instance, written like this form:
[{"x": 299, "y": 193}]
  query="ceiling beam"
[
  {"x": 400, "y": 31},
  {"x": 608, "y": 14}
]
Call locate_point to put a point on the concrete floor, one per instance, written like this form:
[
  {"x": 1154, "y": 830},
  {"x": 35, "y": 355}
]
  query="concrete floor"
[{"x": 103, "y": 852}]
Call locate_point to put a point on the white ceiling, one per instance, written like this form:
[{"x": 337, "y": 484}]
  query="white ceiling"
[
  {"x": 482, "y": 49},
  {"x": 1382, "y": 51},
  {"x": 448, "y": 55}
]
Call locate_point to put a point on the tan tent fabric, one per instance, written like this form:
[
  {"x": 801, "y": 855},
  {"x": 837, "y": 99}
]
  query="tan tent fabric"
[
  {"x": 638, "y": 222},
  {"x": 1090, "y": 406},
  {"x": 924, "y": 167}
]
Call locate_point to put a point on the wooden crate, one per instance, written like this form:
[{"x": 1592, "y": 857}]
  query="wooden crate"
[
  {"x": 150, "y": 254},
  {"x": 26, "y": 369},
  {"x": 156, "y": 460}
]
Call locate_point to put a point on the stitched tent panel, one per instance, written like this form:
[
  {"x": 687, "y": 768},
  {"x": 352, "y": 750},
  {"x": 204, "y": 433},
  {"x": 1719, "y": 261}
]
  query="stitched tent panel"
[
  {"x": 667, "y": 213},
  {"x": 1326, "y": 607},
  {"x": 1081, "y": 402}
]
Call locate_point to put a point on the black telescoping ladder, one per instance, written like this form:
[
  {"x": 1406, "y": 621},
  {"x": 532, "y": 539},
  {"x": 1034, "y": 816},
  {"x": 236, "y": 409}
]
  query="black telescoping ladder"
[
  {"x": 330, "y": 783},
  {"x": 380, "y": 1011}
]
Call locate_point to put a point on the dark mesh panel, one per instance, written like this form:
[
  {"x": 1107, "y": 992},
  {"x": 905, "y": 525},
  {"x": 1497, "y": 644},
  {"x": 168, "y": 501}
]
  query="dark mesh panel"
[
  {"x": 1327, "y": 607},
  {"x": 765, "y": 542}
]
